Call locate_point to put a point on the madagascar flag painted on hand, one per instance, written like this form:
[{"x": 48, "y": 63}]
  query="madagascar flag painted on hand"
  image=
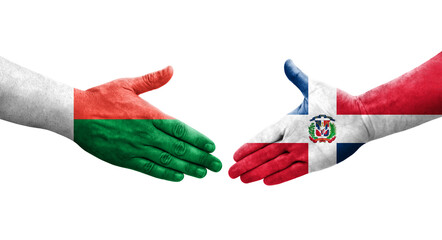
[{"x": 113, "y": 123}]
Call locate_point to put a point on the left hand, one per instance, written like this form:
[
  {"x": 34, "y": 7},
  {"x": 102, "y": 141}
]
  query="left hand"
[{"x": 312, "y": 137}]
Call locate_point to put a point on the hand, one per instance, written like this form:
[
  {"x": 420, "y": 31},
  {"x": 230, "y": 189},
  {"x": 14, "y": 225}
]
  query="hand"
[
  {"x": 312, "y": 137},
  {"x": 114, "y": 124}
]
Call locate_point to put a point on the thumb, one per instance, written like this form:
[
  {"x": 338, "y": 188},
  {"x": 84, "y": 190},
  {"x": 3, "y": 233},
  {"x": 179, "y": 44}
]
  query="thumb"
[
  {"x": 296, "y": 76},
  {"x": 151, "y": 81}
]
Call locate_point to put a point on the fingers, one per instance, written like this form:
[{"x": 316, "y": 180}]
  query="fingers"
[
  {"x": 294, "y": 171},
  {"x": 151, "y": 81},
  {"x": 296, "y": 76},
  {"x": 180, "y": 130},
  {"x": 247, "y": 149},
  {"x": 187, "y": 152},
  {"x": 256, "y": 159},
  {"x": 166, "y": 160},
  {"x": 271, "y": 160},
  {"x": 269, "y": 135},
  {"x": 148, "y": 167},
  {"x": 279, "y": 163}
]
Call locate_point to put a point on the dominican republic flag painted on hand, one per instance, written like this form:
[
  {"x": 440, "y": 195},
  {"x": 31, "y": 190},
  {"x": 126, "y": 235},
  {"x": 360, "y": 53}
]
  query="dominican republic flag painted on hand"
[{"x": 330, "y": 125}]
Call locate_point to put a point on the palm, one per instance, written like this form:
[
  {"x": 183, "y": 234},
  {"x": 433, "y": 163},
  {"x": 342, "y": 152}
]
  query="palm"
[{"x": 312, "y": 137}]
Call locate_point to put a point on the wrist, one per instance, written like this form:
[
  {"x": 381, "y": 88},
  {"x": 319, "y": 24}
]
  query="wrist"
[
  {"x": 354, "y": 108},
  {"x": 60, "y": 110},
  {"x": 366, "y": 119}
]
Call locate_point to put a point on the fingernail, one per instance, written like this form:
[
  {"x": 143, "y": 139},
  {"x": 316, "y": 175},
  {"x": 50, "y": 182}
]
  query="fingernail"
[
  {"x": 178, "y": 176},
  {"x": 201, "y": 172},
  {"x": 216, "y": 166},
  {"x": 209, "y": 147}
]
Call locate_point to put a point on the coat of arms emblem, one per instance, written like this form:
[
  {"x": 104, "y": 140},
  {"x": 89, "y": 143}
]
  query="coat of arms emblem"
[{"x": 322, "y": 129}]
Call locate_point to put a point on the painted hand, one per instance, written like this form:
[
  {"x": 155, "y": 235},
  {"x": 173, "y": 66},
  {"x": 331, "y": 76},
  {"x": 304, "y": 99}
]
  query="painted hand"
[
  {"x": 310, "y": 138},
  {"x": 114, "y": 124}
]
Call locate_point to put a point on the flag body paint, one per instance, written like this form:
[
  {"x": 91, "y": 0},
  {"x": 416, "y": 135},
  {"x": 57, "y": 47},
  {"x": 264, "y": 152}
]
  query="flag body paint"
[
  {"x": 322, "y": 100},
  {"x": 117, "y": 130},
  {"x": 92, "y": 104},
  {"x": 91, "y": 111},
  {"x": 410, "y": 100},
  {"x": 114, "y": 124}
]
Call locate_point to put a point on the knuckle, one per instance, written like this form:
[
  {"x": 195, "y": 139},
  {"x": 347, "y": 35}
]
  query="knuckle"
[
  {"x": 147, "y": 167},
  {"x": 147, "y": 79},
  {"x": 199, "y": 142},
  {"x": 179, "y": 148},
  {"x": 203, "y": 159},
  {"x": 165, "y": 158},
  {"x": 144, "y": 134},
  {"x": 158, "y": 123},
  {"x": 188, "y": 168},
  {"x": 168, "y": 175},
  {"x": 179, "y": 130}
]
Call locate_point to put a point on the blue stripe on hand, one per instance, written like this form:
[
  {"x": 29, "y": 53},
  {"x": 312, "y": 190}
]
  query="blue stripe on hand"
[{"x": 300, "y": 79}]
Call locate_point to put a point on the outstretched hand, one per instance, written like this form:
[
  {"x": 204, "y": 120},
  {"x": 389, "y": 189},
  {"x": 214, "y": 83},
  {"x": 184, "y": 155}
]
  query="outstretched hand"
[
  {"x": 114, "y": 124},
  {"x": 310, "y": 138}
]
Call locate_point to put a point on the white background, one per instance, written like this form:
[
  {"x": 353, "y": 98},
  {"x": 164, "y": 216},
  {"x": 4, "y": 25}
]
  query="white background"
[{"x": 229, "y": 84}]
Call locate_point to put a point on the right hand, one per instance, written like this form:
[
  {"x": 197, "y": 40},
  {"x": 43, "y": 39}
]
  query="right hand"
[{"x": 114, "y": 124}]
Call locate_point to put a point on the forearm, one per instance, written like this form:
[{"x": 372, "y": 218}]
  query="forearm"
[
  {"x": 407, "y": 101},
  {"x": 30, "y": 99}
]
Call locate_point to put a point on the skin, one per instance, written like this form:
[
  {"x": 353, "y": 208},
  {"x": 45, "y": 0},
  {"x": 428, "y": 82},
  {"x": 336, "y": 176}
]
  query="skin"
[
  {"x": 30, "y": 99},
  {"x": 165, "y": 149},
  {"x": 279, "y": 153},
  {"x": 109, "y": 121}
]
